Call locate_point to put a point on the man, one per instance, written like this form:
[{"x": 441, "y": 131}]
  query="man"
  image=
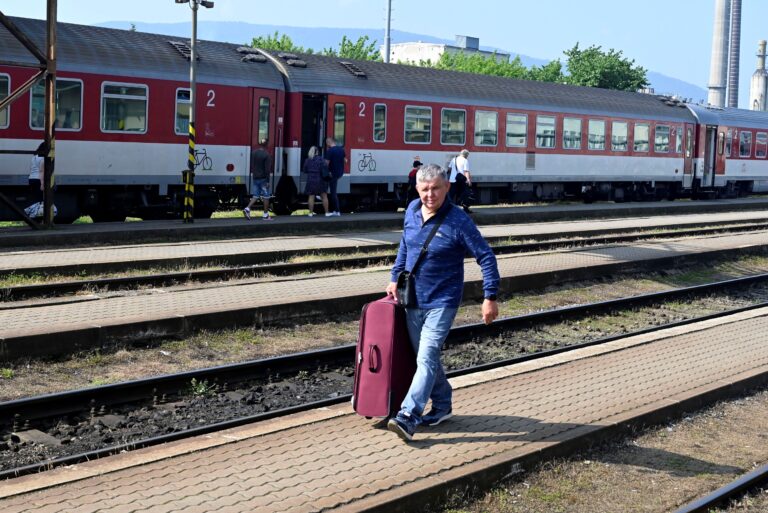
[
  {"x": 335, "y": 157},
  {"x": 461, "y": 180},
  {"x": 261, "y": 166},
  {"x": 439, "y": 282}
]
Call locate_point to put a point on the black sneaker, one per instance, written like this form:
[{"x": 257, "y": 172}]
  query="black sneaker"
[{"x": 435, "y": 416}]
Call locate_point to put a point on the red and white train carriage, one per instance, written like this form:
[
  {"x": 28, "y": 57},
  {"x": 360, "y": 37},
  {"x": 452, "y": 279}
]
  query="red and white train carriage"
[{"x": 123, "y": 105}]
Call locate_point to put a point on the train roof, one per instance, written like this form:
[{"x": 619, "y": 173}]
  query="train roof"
[
  {"x": 730, "y": 117},
  {"x": 127, "y": 53},
  {"x": 323, "y": 75}
]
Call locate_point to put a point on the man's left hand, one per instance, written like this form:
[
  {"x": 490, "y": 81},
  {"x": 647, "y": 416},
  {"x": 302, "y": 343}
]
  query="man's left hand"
[{"x": 490, "y": 311}]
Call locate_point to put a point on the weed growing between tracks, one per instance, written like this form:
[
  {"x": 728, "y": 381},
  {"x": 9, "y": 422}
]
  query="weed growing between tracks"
[{"x": 654, "y": 471}]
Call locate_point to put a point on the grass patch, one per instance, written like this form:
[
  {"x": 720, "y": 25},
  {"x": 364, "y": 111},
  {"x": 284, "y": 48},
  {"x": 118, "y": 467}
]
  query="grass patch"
[{"x": 6, "y": 373}]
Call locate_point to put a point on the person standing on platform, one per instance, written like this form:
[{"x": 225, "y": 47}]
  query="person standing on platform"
[
  {"x": 261, "y": 169},
  {"x": 316, "y": 169},
  {"x": 439, "y": 280},
  {"x": 335, "y": 157},
  {"x": 411, "y": 193},
  {"x": 37, "y": 173}
]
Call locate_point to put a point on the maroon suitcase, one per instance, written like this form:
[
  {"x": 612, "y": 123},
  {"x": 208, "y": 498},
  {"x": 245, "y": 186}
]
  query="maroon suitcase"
[{"x": 385, "y": 362}]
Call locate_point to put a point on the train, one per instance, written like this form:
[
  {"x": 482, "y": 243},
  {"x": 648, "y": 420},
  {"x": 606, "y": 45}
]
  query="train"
[{"x": 122, "y": 114}]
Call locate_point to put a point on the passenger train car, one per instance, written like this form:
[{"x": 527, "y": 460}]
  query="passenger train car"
[{"x": 123, "y": 109}]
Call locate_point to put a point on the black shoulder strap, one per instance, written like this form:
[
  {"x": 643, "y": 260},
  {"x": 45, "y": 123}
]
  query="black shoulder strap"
[{"x": 438, "y": 221}]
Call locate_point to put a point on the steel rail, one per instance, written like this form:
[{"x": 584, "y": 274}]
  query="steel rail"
[
  {"x": 65, "y": 402},
  {"x": 19, "y": 292},
  {"x": 737, "y": 488}
]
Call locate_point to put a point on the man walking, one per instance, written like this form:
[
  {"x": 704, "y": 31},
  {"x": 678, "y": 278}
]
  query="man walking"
[
  {"x": 335, "y": 158},
  {"x": 261, "y": 169},
  {"x": 461, "y": 180},
  {"x": 439, "y": 280}
]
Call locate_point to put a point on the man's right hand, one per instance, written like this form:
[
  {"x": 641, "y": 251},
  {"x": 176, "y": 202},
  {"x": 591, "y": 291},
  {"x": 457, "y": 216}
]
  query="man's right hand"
[{"x": 392, "y": 290}]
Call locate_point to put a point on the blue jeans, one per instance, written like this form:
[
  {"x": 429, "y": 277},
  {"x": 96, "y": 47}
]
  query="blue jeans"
[
  {"x": 428, "y": 329},
  {"x": 333, "y": 196}
]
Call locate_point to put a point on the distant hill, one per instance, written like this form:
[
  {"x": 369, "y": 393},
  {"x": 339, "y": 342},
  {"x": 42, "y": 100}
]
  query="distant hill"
[{"x": 320, "y": 38}]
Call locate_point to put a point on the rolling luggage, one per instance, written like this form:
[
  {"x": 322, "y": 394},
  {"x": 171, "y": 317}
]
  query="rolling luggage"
[{"x": 384, "y": 361}]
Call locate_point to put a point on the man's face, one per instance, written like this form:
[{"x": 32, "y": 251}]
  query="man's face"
[{"x": 433, "y": 193}]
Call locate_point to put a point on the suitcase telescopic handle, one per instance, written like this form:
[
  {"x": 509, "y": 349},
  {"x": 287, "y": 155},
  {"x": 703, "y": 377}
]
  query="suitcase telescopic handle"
[{"x": 374, "y": 359}]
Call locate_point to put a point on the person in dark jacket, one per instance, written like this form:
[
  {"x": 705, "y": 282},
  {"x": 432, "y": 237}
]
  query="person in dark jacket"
[
  {"x": 318, "y": 177},
  {"x": 335, "y": 158},
  {"x": 412, "y": 194},
  {"x": 439, "y": 280}
]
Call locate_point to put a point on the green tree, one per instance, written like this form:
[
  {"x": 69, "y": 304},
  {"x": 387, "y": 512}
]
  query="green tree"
[
  {"x": 552, "y": 72},
  {"x": 609, "y": 70},
  {"x": 360, "y": 50},
  {"x": 481, "y": 64},
  {"x": 278, "y": 43}
]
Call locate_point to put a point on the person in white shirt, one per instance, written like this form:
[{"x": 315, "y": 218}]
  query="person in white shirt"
[
  {"x": 461, "y": 180},
  {"x": 37, "y": 173}
]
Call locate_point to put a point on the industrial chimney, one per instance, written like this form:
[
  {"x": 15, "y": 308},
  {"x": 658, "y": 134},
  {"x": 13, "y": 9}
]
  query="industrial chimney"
[
  {"x": 734, "y": 55},
  {"x": 758, "y": 87},
  {"x": 718, "y": 66}
]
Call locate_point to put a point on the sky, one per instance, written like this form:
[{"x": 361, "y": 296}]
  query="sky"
[{"x": 672, "y": 37}]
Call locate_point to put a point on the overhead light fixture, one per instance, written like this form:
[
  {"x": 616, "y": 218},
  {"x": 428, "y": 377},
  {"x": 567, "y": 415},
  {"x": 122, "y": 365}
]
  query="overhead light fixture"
[{"x": 206, "y": 3}]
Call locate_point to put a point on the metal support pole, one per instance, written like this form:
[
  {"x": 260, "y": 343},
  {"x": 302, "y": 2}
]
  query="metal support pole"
[
  {"x": 386, "y": 34},
  {"x": 50, "y": 116},
  {"x": 189, "y": 176}
]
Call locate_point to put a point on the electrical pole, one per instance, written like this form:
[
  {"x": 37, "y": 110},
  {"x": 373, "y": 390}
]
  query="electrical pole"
[
  {"x": 189, "y": 174},
  {"x": 50, "y": 115},
  {"x": 386, "y": 34}
]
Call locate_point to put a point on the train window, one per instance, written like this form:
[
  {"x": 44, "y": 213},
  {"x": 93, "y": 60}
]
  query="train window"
[
  {"x": 761, "y": 140},
  {"x": 728, "y": 142},
  {"x": 545, "y": 131},
  {"x": 689, "y": 142},
  {"x": 642, "y": 137},
  {"x": 720, "y": 143},
  {"x": 517, "y": 130},
  {"x": 679, "y": 140},
  {"x": 182, "y": 111},
  {"x": 418, "y": 125},
  {"x": 745, "y": 144},
  {"x": 5, "y": 88},
  {"x": 123, "y": 107},
  {"x": 453, "y": 123},
  {"x": 619, "y": 136},
  {"x": 379, "y": 122},
  {"x": 339, "y": 123},
  {"x": 596, "y": 139},
  {"x": 661, "y": 139},
  {"x": 572, "y": 133},
  {"x": 69, "y": 101},
  {"x": 486, "y": 128},
  {"x": 263, "y": 134}
]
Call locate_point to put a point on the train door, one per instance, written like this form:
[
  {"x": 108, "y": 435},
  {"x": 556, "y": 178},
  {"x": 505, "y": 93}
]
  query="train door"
[
  {"x": 710, "y": 157},
  {"x": 263, "y": 120},
  {"x": 687, "y": 145},
  {"x": 313, "y": 123},
  {"x": 337, "y": 126}
]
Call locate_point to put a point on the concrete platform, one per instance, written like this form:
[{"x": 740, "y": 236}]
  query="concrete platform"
[
  {"x": 90, "y": 322},
  {"x": 506, "y": 419},
  {"x": 125, "y": 233},
  {"x": 258, "y": 250}
]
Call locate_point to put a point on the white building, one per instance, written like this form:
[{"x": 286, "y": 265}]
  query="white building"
[{"x": 418, "y": 51}]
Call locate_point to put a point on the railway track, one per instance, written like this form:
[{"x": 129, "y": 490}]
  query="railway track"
[
  {"x": 115, "y": 408},
  {"x": 729, "y": 492},
  {"x": 501, "y": 245}
]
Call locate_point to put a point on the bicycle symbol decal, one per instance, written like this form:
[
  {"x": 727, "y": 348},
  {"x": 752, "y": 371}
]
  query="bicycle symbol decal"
[
  {"x": 367, "y": 162},
  {"x": 201, "y": 157}
]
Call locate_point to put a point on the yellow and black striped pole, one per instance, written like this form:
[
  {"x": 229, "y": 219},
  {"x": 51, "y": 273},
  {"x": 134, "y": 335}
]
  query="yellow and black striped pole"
[{"x": 189, "y": 178}]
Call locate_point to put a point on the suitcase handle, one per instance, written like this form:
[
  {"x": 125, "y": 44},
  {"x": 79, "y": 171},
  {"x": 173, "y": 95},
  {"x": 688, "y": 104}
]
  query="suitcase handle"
[{"x": 374, "y": 359}]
